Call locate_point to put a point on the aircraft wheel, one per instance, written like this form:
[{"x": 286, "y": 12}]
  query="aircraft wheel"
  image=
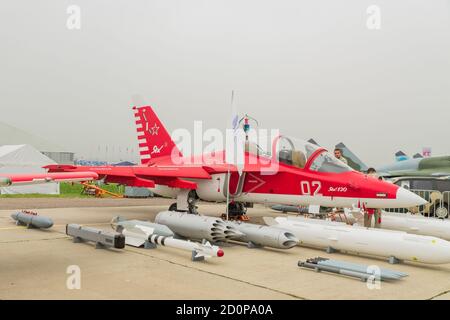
[
  {"x": 441, "y": 211},
  {"x": 236, "y": 209},
  {"x": 191, "y": 208},
  {"x": 192, "y": 201}
]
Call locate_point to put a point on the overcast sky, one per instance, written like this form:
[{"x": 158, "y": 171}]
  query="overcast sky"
[{"x": 310, "y": 68}]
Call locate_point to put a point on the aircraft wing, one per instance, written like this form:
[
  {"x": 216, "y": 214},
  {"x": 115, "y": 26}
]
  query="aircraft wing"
[
  {"x": 27, "y": 179},
  {"x": 174, "y": 176}
]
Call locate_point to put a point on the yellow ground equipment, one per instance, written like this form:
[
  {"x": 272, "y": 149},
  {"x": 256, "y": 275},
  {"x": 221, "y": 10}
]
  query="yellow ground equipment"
[{"x": 93, "y": 190}]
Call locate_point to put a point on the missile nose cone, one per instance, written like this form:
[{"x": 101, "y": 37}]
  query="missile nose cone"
[
  {"x": 408, "y": 199},
  {"x": 46, "y": 223},
  {"x": 220, "y": 253}
]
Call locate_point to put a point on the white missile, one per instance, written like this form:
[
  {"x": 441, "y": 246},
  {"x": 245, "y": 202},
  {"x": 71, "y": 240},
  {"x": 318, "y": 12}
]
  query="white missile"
[
  {"x": 136, "y": 232},
  {"x": 200, "y": 251},
  {"x": 416, "y": 224},
  {"x": 396, "y": 245}
]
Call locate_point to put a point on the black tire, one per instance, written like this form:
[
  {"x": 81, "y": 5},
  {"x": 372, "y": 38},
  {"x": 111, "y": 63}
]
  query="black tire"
[
  {"x": 192, "y": 209},
  {"x": 236, "y": 209}
]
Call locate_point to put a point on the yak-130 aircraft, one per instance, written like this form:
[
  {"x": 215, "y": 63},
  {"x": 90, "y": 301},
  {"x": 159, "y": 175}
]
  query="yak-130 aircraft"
[{"x": 305, "y": 174}]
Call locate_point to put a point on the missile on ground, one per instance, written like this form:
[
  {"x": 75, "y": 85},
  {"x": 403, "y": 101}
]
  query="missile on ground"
[
  {"x": 101, "y": 238},
  {"x": 416, "y": 224},
  {"x": 387, "y": 274},
  {"x": 200, "y": 251},
  {"x": 32, "y": 220},
  {"x": 4, "y": 182},
  {"x": 396, "y": 245},
  {"x": 318, "y": 267},
  {"x": 286, "y": 209},
  {"x": 136, "y": 232},
  {"x": 197, "y": 227},
  {"x": 360, "y": 271},
  {"x": 257, "y": 235}
]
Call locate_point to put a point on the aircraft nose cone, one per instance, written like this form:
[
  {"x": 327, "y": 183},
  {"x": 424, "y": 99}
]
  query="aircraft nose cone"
[{"x": 408, "y": 199}]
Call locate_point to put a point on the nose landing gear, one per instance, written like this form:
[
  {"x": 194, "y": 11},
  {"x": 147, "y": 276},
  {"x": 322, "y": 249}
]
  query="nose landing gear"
[{"x": 236, "y": 211}]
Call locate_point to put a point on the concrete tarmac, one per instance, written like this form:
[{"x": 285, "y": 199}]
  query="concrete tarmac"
[{"x": 34, "y": 264}]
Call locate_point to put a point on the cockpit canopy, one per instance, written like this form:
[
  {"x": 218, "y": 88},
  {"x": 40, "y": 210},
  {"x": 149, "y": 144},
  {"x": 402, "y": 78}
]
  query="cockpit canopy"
[
  {"x": 293, "y": 151},
  {"x": 297, "y": 152},
  {"x": 326, "y": 162}
]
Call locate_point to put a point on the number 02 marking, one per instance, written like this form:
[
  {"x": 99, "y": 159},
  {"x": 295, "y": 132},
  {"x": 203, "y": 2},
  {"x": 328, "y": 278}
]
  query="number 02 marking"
[{"x": 306, "y": 187}]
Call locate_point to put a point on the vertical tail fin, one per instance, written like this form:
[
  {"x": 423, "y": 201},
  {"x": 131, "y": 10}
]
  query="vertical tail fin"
[
  {"x": 154, "y": 140},
  {"x": 400, "y": 156},
  {"x": 353, "y": 161}
]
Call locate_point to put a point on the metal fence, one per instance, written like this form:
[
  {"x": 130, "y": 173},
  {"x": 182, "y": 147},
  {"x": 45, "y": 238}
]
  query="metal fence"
[{"x": 438, "y": 205}]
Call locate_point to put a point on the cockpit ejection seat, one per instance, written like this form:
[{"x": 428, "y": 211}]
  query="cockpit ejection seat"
[
  {"x": 298, "y": 159},
  {"x": 294, "y": 158}
]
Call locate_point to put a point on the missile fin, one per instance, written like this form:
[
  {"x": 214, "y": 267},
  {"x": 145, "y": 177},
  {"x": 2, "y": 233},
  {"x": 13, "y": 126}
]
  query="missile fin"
[
  {"x": 198, "y": 256},
  {"x": 270, "y": 221},
  {"x": 135, "y": 242}
]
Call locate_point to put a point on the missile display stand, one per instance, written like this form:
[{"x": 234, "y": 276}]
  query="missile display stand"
[
  {"x": 98, "y": 245},
  {"x": 149, "y": 245},
  {"x": 195, "y": 258},
  {"x": 391, "y": 259},
  {"x": 394, "y": 260},
  {"x": 331, "y": 250},
  {"x": 252, "y": 245}
]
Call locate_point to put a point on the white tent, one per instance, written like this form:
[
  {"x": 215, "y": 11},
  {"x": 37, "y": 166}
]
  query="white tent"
[{"x": 22, "y": 159}]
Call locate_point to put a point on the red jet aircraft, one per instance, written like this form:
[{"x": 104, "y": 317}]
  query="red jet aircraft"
[{"x": 305, "y": 174}]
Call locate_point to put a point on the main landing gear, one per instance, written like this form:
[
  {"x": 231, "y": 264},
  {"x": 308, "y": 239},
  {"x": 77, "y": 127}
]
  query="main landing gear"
[{"x": 186, "y": 202}]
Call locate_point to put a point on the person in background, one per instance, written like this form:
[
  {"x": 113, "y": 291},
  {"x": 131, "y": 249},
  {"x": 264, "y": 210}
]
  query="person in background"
[
  {"x": 338, "y": 155},
  {"x": 370, "y": 213}
]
